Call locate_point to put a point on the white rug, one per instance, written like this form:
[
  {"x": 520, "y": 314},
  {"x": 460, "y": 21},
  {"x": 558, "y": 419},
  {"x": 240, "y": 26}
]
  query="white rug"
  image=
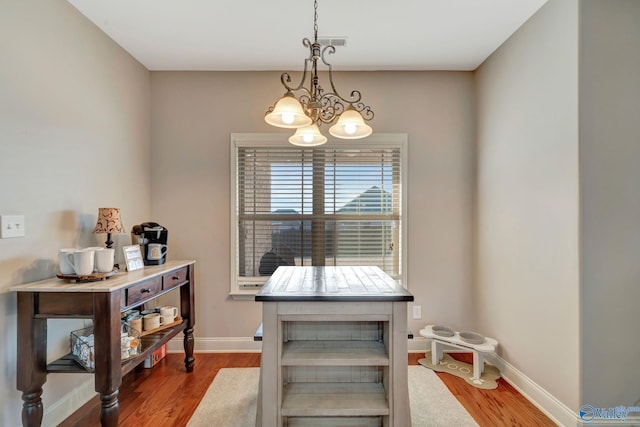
[{"x": 231, "y": 399}]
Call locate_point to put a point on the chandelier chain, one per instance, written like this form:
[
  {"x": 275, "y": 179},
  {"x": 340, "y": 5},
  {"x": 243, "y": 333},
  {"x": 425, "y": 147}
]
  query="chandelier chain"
[{"x": 315, "y": 20}]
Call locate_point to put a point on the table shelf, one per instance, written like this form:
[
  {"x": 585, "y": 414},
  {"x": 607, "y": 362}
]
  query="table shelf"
[
  {"x": 335, "y": 422},
  {"x": 334, "y": 353},
  {"x": 334, "y": 400},
  {"x": 150, "y": 343}
]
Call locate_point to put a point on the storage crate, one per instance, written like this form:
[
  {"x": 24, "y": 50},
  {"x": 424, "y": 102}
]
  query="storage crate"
[{"x": 83, "y": 350}]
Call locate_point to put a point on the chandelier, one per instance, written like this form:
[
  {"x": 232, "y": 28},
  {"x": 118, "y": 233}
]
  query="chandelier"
[{"x": 313, "y": 106}]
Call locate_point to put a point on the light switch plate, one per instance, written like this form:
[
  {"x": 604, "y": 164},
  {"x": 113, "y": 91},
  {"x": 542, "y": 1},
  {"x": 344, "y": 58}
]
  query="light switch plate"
[{"x": 12, "y": 226}]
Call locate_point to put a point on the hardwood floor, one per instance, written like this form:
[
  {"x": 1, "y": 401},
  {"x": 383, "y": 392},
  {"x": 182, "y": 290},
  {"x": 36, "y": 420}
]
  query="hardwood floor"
[
  {"x": 165, "y": 396},
  {"x": 503, "y": 406}
]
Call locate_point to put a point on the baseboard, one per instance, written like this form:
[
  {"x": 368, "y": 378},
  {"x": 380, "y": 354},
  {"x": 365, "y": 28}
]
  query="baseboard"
[
  {"x": 248, "y": 345},
  {"x": 60, "y": 410},
  {"x": 547, "y": 403},
  {"x": 417, "y": 344},
  {"x": 541, "y": 398},
  {"x": 218, "y": 345}
]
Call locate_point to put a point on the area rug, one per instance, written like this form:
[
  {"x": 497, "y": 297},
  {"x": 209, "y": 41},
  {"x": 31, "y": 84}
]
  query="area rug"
[
  {"x": 231, "y": 400},
  {"x": 448, "y": 364}
]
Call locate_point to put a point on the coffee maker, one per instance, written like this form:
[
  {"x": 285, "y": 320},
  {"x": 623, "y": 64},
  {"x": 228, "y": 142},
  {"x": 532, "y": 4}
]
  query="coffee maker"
[{"x": 152, "y": 238}]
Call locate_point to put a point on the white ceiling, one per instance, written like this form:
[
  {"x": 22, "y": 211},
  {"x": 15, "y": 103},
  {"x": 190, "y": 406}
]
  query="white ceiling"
[{"x": 267, "y": 34}]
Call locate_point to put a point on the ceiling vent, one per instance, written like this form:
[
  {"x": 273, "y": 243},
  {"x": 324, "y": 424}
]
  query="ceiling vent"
[{"x": 335, "y": 41}]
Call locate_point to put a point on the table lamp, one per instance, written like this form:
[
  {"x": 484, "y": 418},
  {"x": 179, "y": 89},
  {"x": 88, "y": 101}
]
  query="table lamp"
[{"x": 109, "y": 222}]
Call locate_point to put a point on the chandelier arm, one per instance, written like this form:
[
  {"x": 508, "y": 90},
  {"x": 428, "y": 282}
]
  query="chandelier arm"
[
  {"x": 356, "y": 96},
  {"x": 285, "y": 78},
  {"x": 365, "y": 111}
]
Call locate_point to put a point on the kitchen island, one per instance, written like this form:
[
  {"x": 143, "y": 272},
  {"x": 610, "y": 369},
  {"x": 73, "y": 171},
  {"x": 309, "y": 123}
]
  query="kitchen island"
[{"x": 334, "y": 348}]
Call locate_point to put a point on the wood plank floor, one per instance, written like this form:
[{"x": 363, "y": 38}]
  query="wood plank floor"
[{"x": 165, "y": 396}]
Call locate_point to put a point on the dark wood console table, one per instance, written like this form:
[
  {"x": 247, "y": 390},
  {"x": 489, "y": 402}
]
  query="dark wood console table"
[{"x": 103, "y": 302}]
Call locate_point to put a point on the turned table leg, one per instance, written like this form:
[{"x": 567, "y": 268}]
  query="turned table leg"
[
  {"x": 108, "y": 371},
  {"x": 187, "y": 308},
  {"x": 189, "y": 360},
  {"x": 32, "y": 361},
  {"x": 109, "y": 409},
  {"x": 32, "y": 409}
]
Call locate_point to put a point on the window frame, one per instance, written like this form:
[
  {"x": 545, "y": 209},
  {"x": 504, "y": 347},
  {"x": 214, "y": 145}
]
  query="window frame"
[{"x": 377, "y": 140}]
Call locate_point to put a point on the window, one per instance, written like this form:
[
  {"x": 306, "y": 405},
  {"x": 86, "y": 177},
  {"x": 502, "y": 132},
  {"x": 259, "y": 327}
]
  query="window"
[{"x": 337, "y": 204}]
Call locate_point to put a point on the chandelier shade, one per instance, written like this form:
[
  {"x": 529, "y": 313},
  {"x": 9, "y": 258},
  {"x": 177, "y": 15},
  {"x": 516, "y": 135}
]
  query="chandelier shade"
[
  {"x": 308, "y": 136},
  {"x": 350, "y": 125},
  {"x": 287, "y": 113},
  {"x": 307, "y": 105}
]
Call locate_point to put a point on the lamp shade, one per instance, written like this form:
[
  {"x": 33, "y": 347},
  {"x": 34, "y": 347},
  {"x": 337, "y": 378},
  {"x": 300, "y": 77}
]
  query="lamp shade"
[
  {"x": 287, "y": 113},
  {"x": 109, "y": 221},
  {"x": 308, "y": 136},
  {"x": 350, "y": 125}
]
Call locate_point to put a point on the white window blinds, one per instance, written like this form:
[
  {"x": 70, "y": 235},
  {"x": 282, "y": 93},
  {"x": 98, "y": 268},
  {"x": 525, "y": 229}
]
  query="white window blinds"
[{"x": 330, "y": 205}]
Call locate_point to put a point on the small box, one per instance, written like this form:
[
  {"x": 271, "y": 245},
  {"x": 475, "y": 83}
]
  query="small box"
[{"x": 156, "y": 357}]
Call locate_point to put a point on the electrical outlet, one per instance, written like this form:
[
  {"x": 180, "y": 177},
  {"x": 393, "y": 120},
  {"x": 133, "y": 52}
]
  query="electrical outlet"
[
  {"x": 12, "y": 226},
  {"x": 417, "y": 312}
]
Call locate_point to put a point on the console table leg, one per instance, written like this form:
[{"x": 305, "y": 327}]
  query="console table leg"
[
  {"x": 32, "y": 409},
  {"x": 108, "y": 371},
  {"x": 109, "y": 410},
  {"x": 32, "y": 359},
  {"x": 187, "y": 308},
  {"x": 189, "y": 360}
]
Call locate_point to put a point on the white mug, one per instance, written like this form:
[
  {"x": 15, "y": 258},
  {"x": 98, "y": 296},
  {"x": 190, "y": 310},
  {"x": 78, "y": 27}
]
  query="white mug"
[
  {"x": 82, "y": 262},
  {"x": 104, "y": 259},
  {"x": 169, "y": 313},
  {"x": 136, "y": 323},
  {"x": 156, "y": 251},
  {"x": 65, "y": 267},
  {"x": 152, "y": 321}
]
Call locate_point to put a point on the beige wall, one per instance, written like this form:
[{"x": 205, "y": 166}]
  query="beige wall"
[
  {"x": 610, "y": 196},
  {"x": 527, "y": 224},
  {"x": 557, "y": 202},
  {"x": 74, "y": 136},
  {"x": 78, "y": 114},
  {"x": 193, "y": 115}
]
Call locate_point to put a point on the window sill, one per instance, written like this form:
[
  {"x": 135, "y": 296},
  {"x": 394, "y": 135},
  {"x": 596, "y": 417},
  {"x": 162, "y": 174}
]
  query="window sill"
[{"x": 248, "y": 295}]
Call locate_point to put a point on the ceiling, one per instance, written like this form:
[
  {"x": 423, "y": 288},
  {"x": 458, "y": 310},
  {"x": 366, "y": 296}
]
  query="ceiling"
[{"x": 267, "y": 34}]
